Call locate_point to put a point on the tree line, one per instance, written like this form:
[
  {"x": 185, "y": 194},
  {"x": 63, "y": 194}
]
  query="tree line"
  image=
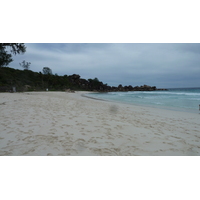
[{"x": 27, "y": 80}]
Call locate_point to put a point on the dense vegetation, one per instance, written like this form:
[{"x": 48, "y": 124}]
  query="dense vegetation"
[{"x": 27, "y": 80}]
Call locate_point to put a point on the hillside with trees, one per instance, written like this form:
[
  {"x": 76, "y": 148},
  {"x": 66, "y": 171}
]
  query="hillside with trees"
[
  {"x": 12, "y": 80},
  {"x": 27, "y": 80}
]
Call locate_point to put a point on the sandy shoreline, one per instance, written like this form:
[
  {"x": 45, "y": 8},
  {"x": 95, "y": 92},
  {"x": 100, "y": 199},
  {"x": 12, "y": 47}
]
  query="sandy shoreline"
[{"x": 60, "y": 123}]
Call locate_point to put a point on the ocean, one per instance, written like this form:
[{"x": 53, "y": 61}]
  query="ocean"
[{"x": 181, "y": 99}]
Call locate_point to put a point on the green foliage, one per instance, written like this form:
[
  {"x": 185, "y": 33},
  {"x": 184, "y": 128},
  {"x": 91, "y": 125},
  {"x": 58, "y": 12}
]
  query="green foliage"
[
  {"x": 14, "y": 48},
  {"x": 47, "y": 70},
  {"x": 5, "y": 58},
  {"x": 25, "y": 65},
  {"x": 28, "y": 80},
  {"x": 25, "y": 80},
  {"x": 96, "y": 84},
  {"x": 96, "y": 80}
]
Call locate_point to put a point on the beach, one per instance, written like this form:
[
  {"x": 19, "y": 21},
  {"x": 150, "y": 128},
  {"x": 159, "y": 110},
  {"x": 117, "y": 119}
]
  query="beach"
[{"x": 69, "y": 124}]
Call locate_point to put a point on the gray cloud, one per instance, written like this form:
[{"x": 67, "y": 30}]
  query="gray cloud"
[{"x": 162, "y": 65}]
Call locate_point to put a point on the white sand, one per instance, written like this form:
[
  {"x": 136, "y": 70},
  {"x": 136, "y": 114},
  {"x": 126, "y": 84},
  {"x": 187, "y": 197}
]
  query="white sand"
[{"x": 60, "y": 123}]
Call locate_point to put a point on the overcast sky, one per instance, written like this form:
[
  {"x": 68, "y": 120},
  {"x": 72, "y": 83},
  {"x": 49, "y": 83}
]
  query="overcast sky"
[{"x": 162, "y": 65}]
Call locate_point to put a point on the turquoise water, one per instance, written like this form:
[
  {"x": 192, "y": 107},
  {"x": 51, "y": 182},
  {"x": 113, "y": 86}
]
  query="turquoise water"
[{"x": 185, "y": 99}]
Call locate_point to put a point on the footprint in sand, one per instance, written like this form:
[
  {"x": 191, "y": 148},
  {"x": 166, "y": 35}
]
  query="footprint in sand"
[
  {"x": 92, "y": 140},
  {"x": 79, "y": 146},
  {"x": 106, "y": 151}
]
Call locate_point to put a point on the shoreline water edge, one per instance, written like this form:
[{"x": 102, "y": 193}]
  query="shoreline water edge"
[
  {"x": 68, "y": 124},
  {"x": 184, "y": 99}
]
